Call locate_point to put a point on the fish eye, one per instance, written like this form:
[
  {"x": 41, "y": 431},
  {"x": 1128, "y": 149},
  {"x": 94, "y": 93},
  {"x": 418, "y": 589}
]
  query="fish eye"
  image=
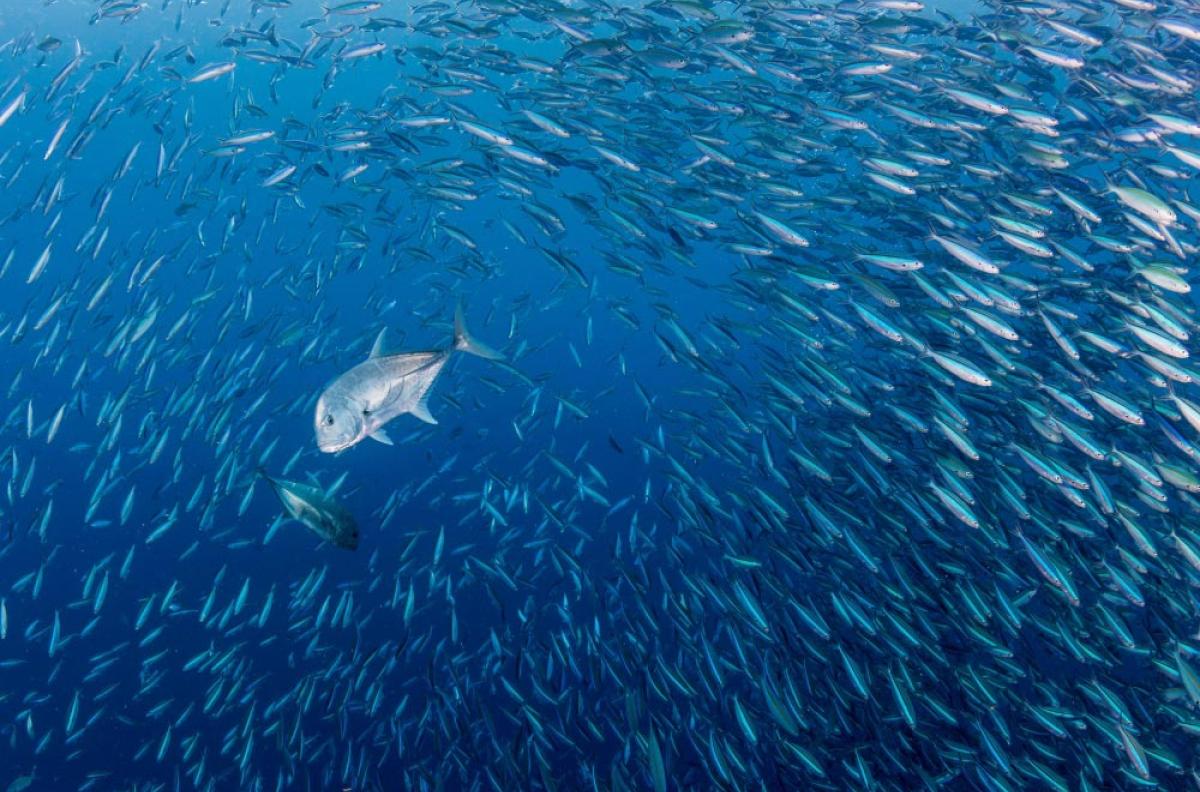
[{"x": 329, "y": 419}]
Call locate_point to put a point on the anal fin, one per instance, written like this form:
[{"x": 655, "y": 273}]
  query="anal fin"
[{"x": 421, "y": 410}]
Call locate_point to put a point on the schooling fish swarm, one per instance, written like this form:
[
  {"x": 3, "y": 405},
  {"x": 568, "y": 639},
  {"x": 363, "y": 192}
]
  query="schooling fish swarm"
[{"x": 846, "y": 436}]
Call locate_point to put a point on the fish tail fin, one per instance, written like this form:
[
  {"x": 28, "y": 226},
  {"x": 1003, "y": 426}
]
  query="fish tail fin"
[
  {"x": 923, "y": 348},
  {"x": 465, "y": 343}
]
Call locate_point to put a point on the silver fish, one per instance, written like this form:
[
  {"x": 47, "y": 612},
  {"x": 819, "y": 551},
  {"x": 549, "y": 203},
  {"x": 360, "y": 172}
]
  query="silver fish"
[
  {"x": 359, "y": 402},
  {"x": 320, "y": 513}
]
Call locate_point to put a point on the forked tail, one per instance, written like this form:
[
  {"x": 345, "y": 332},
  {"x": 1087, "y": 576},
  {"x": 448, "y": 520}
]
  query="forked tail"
[{"x": 465, "y": 343}]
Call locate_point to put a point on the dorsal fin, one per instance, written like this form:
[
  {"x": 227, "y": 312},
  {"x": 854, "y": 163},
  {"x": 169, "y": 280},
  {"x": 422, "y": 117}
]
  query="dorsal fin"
[{"x": 377, "y": 347}]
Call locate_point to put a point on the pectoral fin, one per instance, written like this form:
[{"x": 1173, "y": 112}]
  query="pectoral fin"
[{"x": 380, "y": 436}]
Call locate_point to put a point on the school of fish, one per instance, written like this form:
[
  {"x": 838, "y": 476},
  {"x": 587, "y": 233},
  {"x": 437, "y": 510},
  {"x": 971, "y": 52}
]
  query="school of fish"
[{"x": 836, "y": 426}]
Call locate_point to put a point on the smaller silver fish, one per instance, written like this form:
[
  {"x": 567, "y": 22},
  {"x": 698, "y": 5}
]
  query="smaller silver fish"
[
  {"x": 320, "y": 513},
  {"x": 357, "y": 404}
]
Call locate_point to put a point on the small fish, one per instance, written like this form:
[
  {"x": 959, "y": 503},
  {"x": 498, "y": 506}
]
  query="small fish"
[{"x": 212, "y": 72}]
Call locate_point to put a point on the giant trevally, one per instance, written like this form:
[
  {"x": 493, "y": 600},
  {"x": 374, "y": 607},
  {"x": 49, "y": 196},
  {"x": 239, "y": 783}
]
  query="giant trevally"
[
  {"x": 359, "y": 402},
  {"x": 319, "y": 512},
  {"x": 864, "y": 456}
]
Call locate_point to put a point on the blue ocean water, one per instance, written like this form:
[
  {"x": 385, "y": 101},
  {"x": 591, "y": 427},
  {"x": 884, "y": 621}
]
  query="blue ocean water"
[{"x": 845, "y": 434}]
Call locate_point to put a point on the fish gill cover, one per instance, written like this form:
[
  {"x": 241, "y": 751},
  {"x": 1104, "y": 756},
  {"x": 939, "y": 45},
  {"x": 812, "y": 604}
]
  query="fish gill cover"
[{"x": 827, "y": 422}]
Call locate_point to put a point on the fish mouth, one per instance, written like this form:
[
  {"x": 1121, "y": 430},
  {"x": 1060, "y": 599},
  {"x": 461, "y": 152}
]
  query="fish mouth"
[{"x": 333, "y": 447}]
